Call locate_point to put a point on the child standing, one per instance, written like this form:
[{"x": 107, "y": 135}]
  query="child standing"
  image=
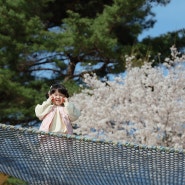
[{"x": 57, "y": 112}]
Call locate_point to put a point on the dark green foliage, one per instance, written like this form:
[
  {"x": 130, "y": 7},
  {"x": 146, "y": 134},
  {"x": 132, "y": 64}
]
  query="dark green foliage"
[
  {"x": 163, "y": 43},
  {"x": 86, "y": 8}
]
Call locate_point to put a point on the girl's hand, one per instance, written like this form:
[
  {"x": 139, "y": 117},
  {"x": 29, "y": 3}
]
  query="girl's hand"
[{"x": 51, "y": 98}]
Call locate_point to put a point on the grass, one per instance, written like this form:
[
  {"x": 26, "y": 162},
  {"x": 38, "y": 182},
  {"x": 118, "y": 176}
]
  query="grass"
[{"x": 14, "y": 181}]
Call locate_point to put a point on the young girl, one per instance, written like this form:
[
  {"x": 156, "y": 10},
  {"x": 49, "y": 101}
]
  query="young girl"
[{"x": 57, "y": 112}]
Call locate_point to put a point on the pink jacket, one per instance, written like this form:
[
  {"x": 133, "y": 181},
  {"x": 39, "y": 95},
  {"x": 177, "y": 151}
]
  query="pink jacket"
[
  {"x": 46, "y": 112},
  {"x": 49, "y": 117}
]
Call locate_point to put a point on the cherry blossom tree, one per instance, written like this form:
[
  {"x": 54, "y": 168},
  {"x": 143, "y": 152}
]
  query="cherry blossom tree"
[{"x": 146, "y": 106}]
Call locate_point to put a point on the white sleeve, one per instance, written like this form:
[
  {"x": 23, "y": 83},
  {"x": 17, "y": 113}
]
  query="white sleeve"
[
  {"x": 72, "y": 111},
  {"x": 43, "y": 109}
]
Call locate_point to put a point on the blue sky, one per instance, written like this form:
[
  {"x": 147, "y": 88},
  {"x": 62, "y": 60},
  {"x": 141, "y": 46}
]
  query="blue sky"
[{"x": 169, "y": 18}]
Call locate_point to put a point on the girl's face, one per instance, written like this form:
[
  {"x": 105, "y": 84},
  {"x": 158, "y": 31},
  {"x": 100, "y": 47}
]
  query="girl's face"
[{"x": 57, "y": 98}]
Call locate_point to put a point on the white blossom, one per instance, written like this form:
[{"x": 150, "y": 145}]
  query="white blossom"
[{"x": 144, "y": 107}]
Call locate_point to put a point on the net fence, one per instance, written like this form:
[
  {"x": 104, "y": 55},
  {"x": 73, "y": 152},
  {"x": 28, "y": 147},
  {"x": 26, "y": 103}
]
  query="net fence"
[{"x": 46, "y": 158}]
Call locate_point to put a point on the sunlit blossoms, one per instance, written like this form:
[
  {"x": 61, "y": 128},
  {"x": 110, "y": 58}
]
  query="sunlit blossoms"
[{"x": 146, "y": 106}]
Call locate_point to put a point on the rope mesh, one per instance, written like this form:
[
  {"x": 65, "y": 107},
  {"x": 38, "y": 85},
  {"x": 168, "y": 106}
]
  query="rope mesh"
[{"x": 40, "y": 158}]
